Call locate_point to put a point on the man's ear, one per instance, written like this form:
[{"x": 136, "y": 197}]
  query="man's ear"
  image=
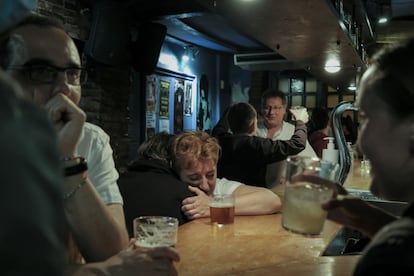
[{"x": 252, "y": 128}]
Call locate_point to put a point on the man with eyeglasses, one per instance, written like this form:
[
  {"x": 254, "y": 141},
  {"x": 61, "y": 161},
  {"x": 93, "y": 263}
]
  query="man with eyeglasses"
[
  {"x": 42, "y": 57},
  {"x": 47, "y": 74},
  {"x": 39, "y": 54},
  {"x": 32, "y": 168},
  {"x": 275, "y": 127}
]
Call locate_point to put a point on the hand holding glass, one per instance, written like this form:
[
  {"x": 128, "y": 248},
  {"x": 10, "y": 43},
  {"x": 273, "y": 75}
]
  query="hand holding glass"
[
  {"x": 302, "y": 211},
  {"x": 300, "y": 113},
  {"x": 155, "y": 231}
]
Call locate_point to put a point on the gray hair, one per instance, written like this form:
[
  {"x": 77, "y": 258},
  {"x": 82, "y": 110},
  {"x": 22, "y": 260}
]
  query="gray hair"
[
  {"x": 11, "y": 45},
  {"x": 272, "y": 93},
  {"x": 13, "y": 51},
  {"x": 156, "y": 147}
]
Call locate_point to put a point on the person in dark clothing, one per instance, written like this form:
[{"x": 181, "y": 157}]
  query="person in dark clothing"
[
  {"x": 40, "y": 181},
  {"x": 385, "y": 98},
  {"x": 150, "y": 187},
  {"x": 318, "y": 129},
  {"x": 222, "y": 127},
  {"x": 349, "y": 129},
  {"x": 33, "y": 233},
  {"x": 244, "y": 156}
]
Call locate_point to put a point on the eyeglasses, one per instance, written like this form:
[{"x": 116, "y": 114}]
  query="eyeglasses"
[{"x": 47, "y": 74}]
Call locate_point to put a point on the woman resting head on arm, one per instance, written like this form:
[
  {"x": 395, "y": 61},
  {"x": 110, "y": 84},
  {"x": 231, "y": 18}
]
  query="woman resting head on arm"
[{"x": 195, "y": 156}]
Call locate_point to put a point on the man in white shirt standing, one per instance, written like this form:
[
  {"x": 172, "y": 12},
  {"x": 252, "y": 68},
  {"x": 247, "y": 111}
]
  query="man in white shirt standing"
[{"x": 273, "y": 110}]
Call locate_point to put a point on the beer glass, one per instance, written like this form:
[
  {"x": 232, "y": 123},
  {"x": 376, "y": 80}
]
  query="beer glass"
[
  {"x": 222, "y": 208},
  {"x": 302, "y": 210},
  {"x": 155, "y": 231}
]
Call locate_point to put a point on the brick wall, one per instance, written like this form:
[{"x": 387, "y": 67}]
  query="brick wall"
[
  {"x": 259, "y": 83},
  {"x": 105, "y": 96}
]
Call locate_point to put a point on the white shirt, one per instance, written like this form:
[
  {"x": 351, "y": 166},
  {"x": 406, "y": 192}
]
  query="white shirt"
[
  {"x": 275, "y": 170},
  {"x": 95, "y": 148}
]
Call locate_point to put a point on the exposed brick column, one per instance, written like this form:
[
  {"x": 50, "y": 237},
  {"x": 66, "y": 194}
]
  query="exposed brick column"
[{"x": 259, "y": 84}]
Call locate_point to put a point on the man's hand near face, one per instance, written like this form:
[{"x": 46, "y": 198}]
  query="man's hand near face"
[{"x": 68, "y": 120}]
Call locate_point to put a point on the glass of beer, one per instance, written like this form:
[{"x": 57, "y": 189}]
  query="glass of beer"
[
  {"x": 155, "y": 231},
  {"x": 303, "y": 197},
  {"x": 222, "y": 208},
  {"x": 300, "y": 113}
]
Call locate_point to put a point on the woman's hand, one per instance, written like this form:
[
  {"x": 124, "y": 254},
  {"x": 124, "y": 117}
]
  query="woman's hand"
[{"x": 197, "y": 206}]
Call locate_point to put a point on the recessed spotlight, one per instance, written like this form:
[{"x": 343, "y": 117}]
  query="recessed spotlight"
[
  {"x": 185, "y": 58},
  {"x": 382, "y": 20},
  {"x": 352, "y": 87},
  {"x": 332, "y": 66}
]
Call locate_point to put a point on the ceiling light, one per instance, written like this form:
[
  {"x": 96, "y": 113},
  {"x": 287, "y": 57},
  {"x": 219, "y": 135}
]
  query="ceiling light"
[
  {"x": 332, "y": 66},
  {"x": 352, "y": 87},
  {"x": 382, "y": 20},
  {"x": 185, "y": 57},
  {"x": 190, "y": 52},
  {"x": 186, "y": 54}
]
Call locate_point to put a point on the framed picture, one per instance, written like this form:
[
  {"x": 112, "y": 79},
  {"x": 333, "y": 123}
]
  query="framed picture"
[
  {"x": 178, "y": 105},
  {"x": 188, "y": 98},
  {"x": 151, "y": 93},
  {"x": 164, "y": 98}
]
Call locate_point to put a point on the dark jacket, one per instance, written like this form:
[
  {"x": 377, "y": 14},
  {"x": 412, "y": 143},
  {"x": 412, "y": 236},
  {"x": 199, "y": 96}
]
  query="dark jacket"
[
  {"x": 391, "y": 250},
  {"x": 244, "y": 158},
  {"x": 33, "y": 233},
  {"x": 151, "y": 188}
]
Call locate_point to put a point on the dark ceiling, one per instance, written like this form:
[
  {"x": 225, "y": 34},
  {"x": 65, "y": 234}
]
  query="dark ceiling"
[
  {"x": 302, "y": 33},
  {"x": 191, "y": 22}
]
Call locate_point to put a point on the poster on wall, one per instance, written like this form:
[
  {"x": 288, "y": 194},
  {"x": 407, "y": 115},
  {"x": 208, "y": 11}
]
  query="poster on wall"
[
  {"x": 178, "y": 105},
  {"x": 151, "y": 100},
  {"x": 164, "y": 98},
  {"x": 188, "y": 98},
  {"x": 151, "y": 93},
  {"x": 165, "y": 126},
  {"x": 169, "y": 96},
  {"x": 150, "y": 124},
  {"x": 204, "y": 108}
]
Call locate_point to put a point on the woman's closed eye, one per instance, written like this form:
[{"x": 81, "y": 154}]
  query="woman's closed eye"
[
  {"x": 211, "y": 175},
  {"x": 194, "y": 180}
]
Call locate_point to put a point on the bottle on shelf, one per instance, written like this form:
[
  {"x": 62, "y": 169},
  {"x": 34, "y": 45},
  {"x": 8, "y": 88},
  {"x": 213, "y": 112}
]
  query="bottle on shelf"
[
  {"x": 330, "y": 154},
  {"x": 365, "y": 166}
]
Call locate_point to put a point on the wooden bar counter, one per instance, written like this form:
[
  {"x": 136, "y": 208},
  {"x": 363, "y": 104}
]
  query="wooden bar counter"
[
  {"x": 256, "y": 245},
  {"x": 259, "y": 245}
]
